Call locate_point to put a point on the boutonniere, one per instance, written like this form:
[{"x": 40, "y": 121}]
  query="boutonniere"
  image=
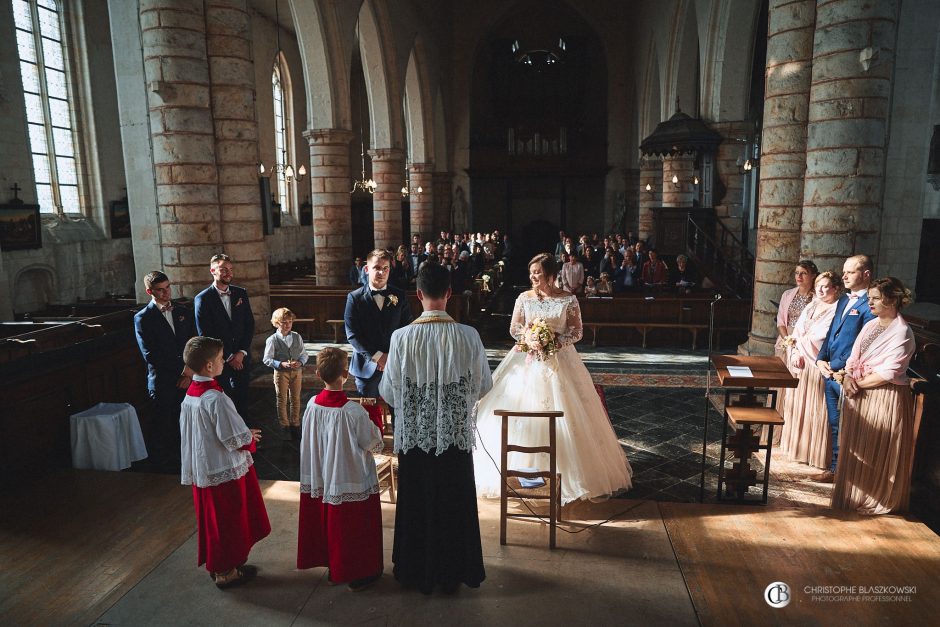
[
  {"x": 238, "y": 304},
  {"x": 393, "y": 299},
  {"x": 180, "y": 318}
]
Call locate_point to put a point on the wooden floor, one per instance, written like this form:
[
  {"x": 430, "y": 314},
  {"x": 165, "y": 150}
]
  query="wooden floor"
[
  {"x": 730, "y": 554},
  {"x": 74, "y": 542}
]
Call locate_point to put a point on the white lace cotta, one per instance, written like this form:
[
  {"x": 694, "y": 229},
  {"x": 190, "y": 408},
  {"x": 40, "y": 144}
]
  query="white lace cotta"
[
  {"x": 590, "y": 459},
  {"x": 212, "y": 435}
]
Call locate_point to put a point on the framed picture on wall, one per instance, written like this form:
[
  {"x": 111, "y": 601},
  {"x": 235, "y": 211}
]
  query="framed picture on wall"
[
  {"x": 120, "y": 219},
  {"x": 20, "y": 227}
]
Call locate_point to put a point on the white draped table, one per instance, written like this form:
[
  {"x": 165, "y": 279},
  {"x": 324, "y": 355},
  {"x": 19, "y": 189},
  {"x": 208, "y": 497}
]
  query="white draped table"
[{"x": 107, "y": 437}]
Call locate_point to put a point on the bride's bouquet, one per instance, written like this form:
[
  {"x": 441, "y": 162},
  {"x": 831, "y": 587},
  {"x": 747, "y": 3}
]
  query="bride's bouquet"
[{"x": 538, "y": 341}]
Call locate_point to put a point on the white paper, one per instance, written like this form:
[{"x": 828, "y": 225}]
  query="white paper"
[{"x": 740, "y": 371}]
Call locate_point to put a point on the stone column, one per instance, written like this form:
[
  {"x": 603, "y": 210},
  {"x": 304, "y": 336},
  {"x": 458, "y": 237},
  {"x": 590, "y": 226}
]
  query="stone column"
[
  {"x": 231, "y": 72},
  {"x": 783, "y": 161},
  {"x": 388, "y": 172},
  {"x": 443, "y": 197},
  {"x": 651, "y": 173},
  {"x": 853, "y": 59},
  {"x": 678, "y": 194},
  {"x": 422, "y": 205},
  {"x": 332, "y": 218},
  {"x": 183, "y": 138}
]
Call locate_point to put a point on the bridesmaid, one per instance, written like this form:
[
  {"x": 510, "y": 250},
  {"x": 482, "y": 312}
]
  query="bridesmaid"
[
  {"x": 792, "y": 303},
  {"x": 805, "y": 434},
  {"x": 876, "y": 446}
]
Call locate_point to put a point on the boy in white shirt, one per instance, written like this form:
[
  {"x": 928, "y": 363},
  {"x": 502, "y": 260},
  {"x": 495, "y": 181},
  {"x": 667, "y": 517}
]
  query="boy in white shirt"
[
  {"x": 216, "y": 460},
  {"x": 285, "y": 352},
  {"x": 340, "y": 524}
]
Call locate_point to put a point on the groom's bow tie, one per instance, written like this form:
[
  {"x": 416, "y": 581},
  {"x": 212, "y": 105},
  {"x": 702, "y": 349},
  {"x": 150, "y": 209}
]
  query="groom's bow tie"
[{"x": 382, "y": 293}]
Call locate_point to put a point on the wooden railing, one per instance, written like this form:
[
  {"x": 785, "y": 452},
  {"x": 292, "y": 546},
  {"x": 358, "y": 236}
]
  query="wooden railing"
[{"x": 720, "y": 255}]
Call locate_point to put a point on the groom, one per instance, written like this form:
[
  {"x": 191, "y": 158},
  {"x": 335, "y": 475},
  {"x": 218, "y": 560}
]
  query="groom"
[{"x": 373, "y": 313}]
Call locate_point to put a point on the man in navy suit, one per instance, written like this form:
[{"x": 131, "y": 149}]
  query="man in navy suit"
[
  {"x": 373, "y": 313},
  {"x": 162, "y": 330},
  {"x": 223, "y": 312},
  {"x": 852, "y": 312}
]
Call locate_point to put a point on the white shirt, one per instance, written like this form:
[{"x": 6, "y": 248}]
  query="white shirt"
[
  {"x": 167, "y": 315},
  {"x": 226, "y": 298},
  {"x": 435, "y": 374},
  {"x": 212, "y": 433},
  {"x": 335, "y": 459}
]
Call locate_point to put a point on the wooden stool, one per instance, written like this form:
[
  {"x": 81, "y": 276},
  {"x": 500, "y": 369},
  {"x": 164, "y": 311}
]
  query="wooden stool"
[
  {"x": 510, "y": 478},
  {"x": 384, "y": 461},
  {"x": 744, "y": 442}
]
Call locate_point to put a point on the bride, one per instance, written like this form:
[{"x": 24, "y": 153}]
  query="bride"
[{"x": 591, "y": 462}]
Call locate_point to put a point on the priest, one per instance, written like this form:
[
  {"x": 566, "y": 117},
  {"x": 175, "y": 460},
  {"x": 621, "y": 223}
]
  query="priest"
[{"x": 435, "y": 374}]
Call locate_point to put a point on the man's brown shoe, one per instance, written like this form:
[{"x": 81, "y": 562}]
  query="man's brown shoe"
[{"x": 825, "y": 476}]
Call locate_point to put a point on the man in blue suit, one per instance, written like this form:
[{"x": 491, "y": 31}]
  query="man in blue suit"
[
  {"x": 224, "y": 312},
  {"x": 162, "y": 330},
  {"x": 373, "y": 313},
  {"x": 852, "y": 312}
]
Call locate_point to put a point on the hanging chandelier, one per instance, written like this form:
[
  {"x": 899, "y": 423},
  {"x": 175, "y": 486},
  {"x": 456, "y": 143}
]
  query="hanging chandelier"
[
  {"x": 407, "y": 189},
  {"x": 283, "y": 167},
  {"x": 362, "y": 184}
]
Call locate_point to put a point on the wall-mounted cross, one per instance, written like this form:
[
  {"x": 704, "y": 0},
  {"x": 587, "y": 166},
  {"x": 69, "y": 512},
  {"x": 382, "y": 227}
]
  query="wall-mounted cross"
[{"x": 15, "y": 189}]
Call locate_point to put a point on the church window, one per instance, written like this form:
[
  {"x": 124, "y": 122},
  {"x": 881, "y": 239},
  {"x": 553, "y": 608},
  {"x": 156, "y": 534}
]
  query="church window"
[
  {"x": 281, "y": 137},
  {"x": 44, "y": 65}
]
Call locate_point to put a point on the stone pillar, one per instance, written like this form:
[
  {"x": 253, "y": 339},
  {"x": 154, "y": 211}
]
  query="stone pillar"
[
  {"x": 651, "y": 173},
  {"x": 422, "y": 205},
  {"x": 183, "y": 139},
  {"x": 332, "y": 218},
  {"x": 783, "y": 161},
  {"x": 443, "y": 197},
  {"x": 232, "y": 75},
  {"x": 853, "y": 59},
  {"x": 678, "y": 194},
  {"x": 387, "y": 170}
]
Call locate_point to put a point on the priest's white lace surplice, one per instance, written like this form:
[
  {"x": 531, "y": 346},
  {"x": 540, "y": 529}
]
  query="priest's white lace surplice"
[
  {"x": 435, "y": 374},
  {"x": 212, "y": 434}
]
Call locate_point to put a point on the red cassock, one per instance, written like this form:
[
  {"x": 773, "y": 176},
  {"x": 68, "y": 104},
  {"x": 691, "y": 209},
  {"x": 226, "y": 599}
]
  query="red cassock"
[
  {"x": 231, "y": 518},
  {"x": 347, "y": 538}
]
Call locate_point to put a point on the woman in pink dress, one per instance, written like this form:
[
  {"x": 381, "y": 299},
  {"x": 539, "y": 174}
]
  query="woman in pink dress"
[
  {"x": 876, "y": 445},
  {"x": 805, "y": 434},
  {"x": 792, "y": 303}
]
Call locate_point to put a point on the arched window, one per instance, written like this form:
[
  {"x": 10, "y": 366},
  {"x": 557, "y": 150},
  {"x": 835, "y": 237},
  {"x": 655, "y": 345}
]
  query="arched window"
[
  {"x": 282, "y": 128},
  {"x": 50, "y": 108}
]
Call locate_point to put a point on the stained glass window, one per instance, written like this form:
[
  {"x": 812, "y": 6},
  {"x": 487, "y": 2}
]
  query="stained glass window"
[{"x": 40, "y": 39}]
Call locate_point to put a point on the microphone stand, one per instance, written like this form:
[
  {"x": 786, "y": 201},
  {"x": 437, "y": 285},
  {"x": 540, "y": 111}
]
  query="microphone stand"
[{"x": 708, "y": 380}]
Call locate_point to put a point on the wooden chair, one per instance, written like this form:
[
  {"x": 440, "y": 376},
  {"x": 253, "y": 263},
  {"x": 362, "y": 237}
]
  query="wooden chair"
[
  {"x": 384, "y": 461},
  {"x": 551, "y": 491}
]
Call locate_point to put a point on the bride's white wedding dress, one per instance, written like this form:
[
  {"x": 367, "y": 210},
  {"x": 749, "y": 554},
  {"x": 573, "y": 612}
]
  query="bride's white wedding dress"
[{"x": 590, "y": 459}]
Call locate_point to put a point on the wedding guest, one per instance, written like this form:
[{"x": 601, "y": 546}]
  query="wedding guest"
[
  {"x": 590, "y": 262},
  {"x": 401, "y": 273},
  {"x": 683, "y": 276},
  {"x": 572, "y": 275},
  {"x": 604, "y": 286},
  {"x": 590, "y": 287},
  {"x": 655, "y": 272},
  {"x": 355, "y": 272},
  {"x": 626, "y": 279},
  {"x": 873, "y": 475},
  {"x": 805, "y": 433},
  {"x": 285, "y": 353}
]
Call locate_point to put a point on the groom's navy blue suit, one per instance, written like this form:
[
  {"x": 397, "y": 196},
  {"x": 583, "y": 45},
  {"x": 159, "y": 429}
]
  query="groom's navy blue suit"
[
  {"x": 369, "y": 331},
  {"x": 836, "y": 350}
]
